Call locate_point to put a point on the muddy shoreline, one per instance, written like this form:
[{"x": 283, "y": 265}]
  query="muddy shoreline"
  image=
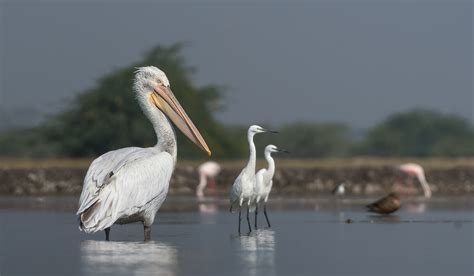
[{"x": 359, "y": 180}]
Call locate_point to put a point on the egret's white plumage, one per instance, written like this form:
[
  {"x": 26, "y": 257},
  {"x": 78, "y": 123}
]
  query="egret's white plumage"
[
  {"x": 130, "y": 184},
  {"x": 264, "y": 177},
  {"x": 264, "y": 182},
  {"x": 243, "y": 188},
  {"x": 415, "y": 170}
]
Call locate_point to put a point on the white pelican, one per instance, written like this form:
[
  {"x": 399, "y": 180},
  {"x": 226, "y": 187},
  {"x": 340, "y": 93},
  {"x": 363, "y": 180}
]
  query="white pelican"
[
  {"x": 264, "y": 182},
  {"x": 130, "y": 184},
  {"x": 208, "y": 172},
  {"x": 416, "y": 171},
  {"x": 244, "y": 186}
]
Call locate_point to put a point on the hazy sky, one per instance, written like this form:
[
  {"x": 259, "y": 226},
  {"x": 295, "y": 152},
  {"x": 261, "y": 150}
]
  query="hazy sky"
[{"x": 348, "y": 61}]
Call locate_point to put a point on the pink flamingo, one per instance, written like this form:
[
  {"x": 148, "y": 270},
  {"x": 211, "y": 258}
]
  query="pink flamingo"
[
  {"x": 413, "y": 170},
  {"x": 208, "y": 172}
]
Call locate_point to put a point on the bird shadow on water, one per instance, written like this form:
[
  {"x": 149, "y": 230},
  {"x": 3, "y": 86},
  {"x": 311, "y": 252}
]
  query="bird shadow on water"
[
  {"x": 257, "y": 251},
  {"x": 385, "y": 218},
  {"x": 128, "y": 258}
]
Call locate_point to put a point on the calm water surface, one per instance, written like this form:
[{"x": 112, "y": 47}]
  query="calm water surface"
[{"x": 39, "y": 236}]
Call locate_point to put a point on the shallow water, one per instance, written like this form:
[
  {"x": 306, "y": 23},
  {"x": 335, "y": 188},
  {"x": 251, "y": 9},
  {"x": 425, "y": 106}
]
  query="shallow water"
[{"x": 308, "y": 237}]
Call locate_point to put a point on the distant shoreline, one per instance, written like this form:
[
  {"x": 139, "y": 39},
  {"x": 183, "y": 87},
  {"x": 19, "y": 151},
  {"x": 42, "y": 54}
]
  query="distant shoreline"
[{"x": 363, "y": 176}]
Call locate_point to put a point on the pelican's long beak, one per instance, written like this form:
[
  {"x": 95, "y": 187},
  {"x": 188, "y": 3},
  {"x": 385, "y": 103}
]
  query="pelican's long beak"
[{"x": 164, "y": 99}]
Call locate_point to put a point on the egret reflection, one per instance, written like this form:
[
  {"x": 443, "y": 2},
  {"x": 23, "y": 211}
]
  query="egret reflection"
[
  {"x": 257, "y": 252},
  {"x": 108, "y": 257}
]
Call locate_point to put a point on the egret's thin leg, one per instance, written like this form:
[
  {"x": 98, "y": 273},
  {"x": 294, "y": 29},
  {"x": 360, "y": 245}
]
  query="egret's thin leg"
[
  {"x": 256, "y": 213},
  {"x": 265, "y": 212},
  {"x": 248, "y": 218},
  {"x": 107, "y": 234},
  {"x": 147, "y": 232},
  {"x": 240, "y": 216}
]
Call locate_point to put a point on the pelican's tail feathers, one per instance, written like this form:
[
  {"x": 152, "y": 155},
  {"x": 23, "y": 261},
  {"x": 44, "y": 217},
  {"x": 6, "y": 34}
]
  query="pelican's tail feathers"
[{"x": 99, "y": 215}]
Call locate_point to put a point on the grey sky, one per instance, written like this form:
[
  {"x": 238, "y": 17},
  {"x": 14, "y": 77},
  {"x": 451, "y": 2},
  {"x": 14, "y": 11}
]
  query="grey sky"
[{"x": 349, "y": 61}]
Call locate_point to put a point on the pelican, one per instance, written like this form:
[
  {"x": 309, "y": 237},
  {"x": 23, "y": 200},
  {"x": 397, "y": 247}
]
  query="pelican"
[
  {"x": 243, "y": 188},
  {"x": 264, "y": 182},
  {"x": 416, "y": 171},
  {"x": 208, "y": 172},
  {"x": 385, "y": 205},
  {"x": 130, "y": 184}
]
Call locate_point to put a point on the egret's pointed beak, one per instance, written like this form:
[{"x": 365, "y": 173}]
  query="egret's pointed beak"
[
  {"x": 268, "y": 130},
  {"x": 164, "y": 99}
]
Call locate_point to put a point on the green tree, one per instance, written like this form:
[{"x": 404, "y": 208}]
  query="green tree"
[
  {"x": 420, "y": 133},
  {"x": 108, "y": 117},
  {"x": 309, "y": 140}
]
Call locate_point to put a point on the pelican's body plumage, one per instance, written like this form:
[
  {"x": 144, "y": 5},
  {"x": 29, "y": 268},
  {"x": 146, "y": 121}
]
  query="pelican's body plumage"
[
  {"x": 126, "y": 185},
  {"x": 130, "y": 184}
]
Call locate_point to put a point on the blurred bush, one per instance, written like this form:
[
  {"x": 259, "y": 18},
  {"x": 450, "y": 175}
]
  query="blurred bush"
[
  {"x": 420, "y": 133},
  {"x": 108, "y": 117}
]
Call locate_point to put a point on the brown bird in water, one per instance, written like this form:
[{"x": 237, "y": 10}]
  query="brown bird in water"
[{"x": 385, "y": 205}]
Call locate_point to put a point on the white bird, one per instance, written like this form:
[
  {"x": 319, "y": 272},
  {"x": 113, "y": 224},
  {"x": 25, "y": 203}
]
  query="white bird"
[
  {"x": 130, "y": 184},
  {"x": 208, "y": 171},
  {"x": 340, "y": 190},
  {"x": 264, "y": 182},
  {"x": 416, "y": 171},
  {"x": 243, "y": 188}
]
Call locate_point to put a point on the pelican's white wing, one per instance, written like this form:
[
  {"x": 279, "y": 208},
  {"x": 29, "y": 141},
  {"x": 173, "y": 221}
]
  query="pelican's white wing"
[
  {"x": 98, "y": 174},
  {"x": 121, "y": 184}
]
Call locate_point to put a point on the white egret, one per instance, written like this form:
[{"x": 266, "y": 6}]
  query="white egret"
[
  {"x": 208, "y": 172},
  {"x": 243, "y": 188},
  {"x": 416, "y": 171},
  {"x": 264, "y": 182},
  {"x": 130, "y": 184}
]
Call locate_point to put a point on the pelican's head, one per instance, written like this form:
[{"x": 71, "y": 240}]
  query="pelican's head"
[
  {"x": 153, "y": 88},
  {"x": 254, "y": 129}
]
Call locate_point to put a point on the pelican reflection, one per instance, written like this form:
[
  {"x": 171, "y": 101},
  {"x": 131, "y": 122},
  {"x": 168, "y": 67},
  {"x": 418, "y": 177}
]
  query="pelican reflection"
[{"x": 130, "y": 258}]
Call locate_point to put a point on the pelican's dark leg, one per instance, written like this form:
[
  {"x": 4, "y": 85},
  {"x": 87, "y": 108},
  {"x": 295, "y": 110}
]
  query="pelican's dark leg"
[
  {"x": 248, "y": 218},
  {"x": 265, "y": 212},
  {"x": 107, "y": 234},
  {"x": 256, "y": 213},
  {"x": 240, "y": 216},
  {"x": 147, "y": 232}
]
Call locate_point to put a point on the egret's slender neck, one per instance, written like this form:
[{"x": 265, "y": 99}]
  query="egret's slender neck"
[
  {"x": 271, "y": 164},
  {"x": 253, "y": 158},
  {"x": 166, "y": 138}
]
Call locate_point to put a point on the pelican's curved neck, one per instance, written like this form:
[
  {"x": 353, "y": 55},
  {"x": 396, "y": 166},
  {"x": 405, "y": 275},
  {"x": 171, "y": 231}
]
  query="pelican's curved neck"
[
  {"x": 271, "y": 163},
  {"x": 253, "y": 158},
  {"x": 166, "y": 138}
]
